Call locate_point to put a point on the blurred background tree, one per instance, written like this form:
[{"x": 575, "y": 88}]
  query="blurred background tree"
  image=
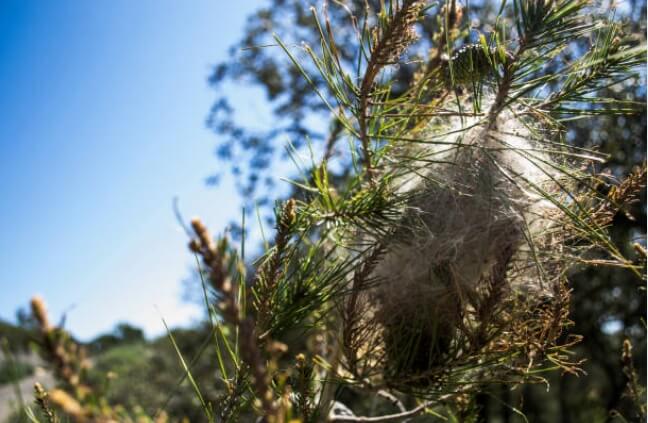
[
  {"x": 608, "y": 305},
  {"x": 123, "y": 333}
]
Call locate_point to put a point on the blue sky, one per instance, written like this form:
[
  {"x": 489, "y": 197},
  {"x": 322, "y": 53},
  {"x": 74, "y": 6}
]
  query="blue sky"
[{"x": 101, "y": 124}]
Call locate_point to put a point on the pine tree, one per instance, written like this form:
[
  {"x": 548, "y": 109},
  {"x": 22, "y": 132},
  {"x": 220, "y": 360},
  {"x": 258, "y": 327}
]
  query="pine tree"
[{"x": 437, "y": 265}]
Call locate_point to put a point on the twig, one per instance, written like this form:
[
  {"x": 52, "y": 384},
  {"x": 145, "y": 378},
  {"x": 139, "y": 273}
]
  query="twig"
[
  {"x": 385, "y": 418},
  {"x": 391, "y": 398}
]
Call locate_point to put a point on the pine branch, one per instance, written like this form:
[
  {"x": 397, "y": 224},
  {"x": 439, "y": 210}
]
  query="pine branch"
[
  {"x": 67, "y": 357},
  {"x": 353, "y": 333},
  {"x": 634, "y": 390},
  {"x": 620, "y": 197},
  {"x": 267, "y": 276},
  {"x": 42, "y": 400},
  {"x": 389, "y": 44},
  {"x": 216, "y": 261},
  {"x": 609, "y": 61}
]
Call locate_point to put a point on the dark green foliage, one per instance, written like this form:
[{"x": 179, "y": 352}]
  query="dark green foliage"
[
  {"x": 13, "y": 372},
  {"x": 129, "y": 370},
  {"x": 123, "y": 333},
  {"x": 148, "y": 375},
  {"x": 18, "y": 337}
]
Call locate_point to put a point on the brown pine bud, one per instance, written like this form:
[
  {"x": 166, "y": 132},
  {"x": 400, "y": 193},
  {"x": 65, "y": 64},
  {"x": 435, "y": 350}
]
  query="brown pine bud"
[
  {"x": 40, "y": 313},
  {"x": 68, "y": 404}
]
